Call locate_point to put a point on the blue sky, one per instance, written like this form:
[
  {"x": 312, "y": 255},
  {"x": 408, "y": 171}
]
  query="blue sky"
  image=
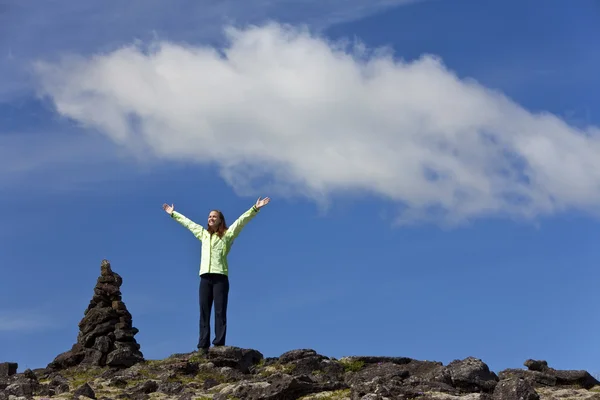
[{"x": 437, "y": 199}]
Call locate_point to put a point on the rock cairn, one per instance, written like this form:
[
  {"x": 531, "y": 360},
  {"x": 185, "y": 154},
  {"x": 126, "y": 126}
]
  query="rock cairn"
[{"x": 106, "y": 335}]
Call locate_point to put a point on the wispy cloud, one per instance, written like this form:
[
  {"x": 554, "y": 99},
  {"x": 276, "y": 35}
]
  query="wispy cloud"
[
  {"x": 317, "y": 119},
  {"x": 26, "y": 321},
  {"x": 88, "y": 27},
  {"x": 58, "y": 161}
]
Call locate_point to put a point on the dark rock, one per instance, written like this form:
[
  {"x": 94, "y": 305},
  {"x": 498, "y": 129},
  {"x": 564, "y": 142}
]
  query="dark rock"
[
  {"x": 69, "y": 358},
  {"x": 106, "y": 335},
  {"x": 111, "y": 372},
  {"x": 59, "y": 384},
  {"x": 95, "y": 317},
  {"x": 514, "y": 389},
  {"x": 185, "y": 368},
  {"x": 234, "y": 357},
  {"x": 107, "y": 290},
  {"x": 118, "y": 306},
  {"x": 170, "y": 388},
  {"x": 579, "y": 378},
  {"x": 536, "y": 365},
  {"x": 472, "y": 375},
  {"x": 186, "y": 396},
  {"x": 298, "y": 354},
  {"x": 429, "y": 376},
  {"x": 283, "y": 386},
  {"x": 20, "y": 389},
  {"x": 29, "y": 375},
  {"x": 123, "y": 357},
  {"x": 93, "y": 357},
  {"x": 389, "y": 371},
  {"x": 117, "y": 382},
  {"x": 103, "y": 344},
  {"x": 45, "y": 391},
  {"x": 8, "y": 369},
  {"x": 125, "y": 334},
  {"x": 534, "y": 378},
  {"x": 379, "y": 359},
  {"x": 127, "y": 345},
  {"x": 575, "y": 378},
  {"x": 88, "y": 339},
  {"x": 386, "y": 378},
  {"x": 308, "y": 362},
  {"x": 85, "y": 390},
  {"x": 147, "y": 387},
  {"x": 209, "y": 383},
  {"x": 24, "y": 384}
]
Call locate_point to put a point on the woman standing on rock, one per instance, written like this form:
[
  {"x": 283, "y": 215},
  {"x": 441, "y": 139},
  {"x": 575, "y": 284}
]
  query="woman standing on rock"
[{"x": 217, "y": 240}]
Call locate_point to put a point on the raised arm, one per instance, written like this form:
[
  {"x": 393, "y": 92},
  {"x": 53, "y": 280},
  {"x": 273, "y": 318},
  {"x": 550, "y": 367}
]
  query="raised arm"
[
  {"x": 195, "y": 228},
  {"x": 234, "y": 230}
]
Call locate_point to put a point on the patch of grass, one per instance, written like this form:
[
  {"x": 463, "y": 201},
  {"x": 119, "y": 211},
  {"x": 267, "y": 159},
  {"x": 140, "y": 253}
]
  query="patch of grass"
[
  {"x": 277, "y": 367},
  {"x": 352, "y": 365},
  {"x": 200, "y": 377},
  {"x": 145, "y": 372},
  {"x": 336, "y": 395},
  {"x": 78, "y": 376},
  {"x": 198, "y": 358}
]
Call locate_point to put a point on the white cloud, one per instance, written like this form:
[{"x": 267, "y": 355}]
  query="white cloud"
[
  {"x": 284, "y": 111},
  {"x": 81, "y": 26}
]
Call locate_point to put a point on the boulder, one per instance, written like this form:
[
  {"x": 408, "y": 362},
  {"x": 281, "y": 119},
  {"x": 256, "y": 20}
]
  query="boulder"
[
  {"x": 535, "y": 378},
  {"x": 578, "y": 378},
  {"x": 85, "y": 390},
  {"x": 472, "y": 374},
  {"x": 8, "y": 369},
  {"x": 515, "y": 389},
  {"x": 234, "y": 357}
]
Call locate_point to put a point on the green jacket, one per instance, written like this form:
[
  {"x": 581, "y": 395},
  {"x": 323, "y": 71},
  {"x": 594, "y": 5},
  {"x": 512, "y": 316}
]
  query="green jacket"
[{"x": 214, "y": 248}]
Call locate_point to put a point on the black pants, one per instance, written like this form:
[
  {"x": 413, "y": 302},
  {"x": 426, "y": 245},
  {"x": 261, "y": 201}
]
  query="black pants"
[{"x": 213, "y": 287}]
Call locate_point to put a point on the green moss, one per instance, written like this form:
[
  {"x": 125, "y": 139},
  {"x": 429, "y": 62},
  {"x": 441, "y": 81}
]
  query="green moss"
[
  {"x": 352, "y": 365},
  {"x": 200, "y": 377},
  {"x": 198, "y": 358},
  {"x": 78, "y": 376},
  {"x": 336, "y": 395},
  {"x": 277, "y": 367}
]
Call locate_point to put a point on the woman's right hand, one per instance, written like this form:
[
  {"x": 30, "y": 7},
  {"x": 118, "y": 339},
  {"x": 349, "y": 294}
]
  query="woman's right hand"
[{"x": 168, "y": 208}]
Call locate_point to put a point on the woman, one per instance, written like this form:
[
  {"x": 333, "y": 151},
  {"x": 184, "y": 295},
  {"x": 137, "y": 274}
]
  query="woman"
[{"x": 217, "y": 240}]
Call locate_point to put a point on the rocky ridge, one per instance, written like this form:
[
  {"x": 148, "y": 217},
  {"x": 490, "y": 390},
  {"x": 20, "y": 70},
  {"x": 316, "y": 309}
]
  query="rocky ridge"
[
  {"x": 237, "y": 373},
  {"x": 106, "y": 363}
]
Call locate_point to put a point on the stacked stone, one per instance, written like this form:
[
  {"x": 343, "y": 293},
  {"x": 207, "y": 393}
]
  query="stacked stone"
[{"x": 106, "y": 335}]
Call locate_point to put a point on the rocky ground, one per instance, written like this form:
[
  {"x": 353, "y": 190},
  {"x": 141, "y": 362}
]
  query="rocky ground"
[
  {"x": 235, "y": 373},
  {"x": 106, "y": 362}
]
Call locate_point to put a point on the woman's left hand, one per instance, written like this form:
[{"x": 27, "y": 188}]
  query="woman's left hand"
[{"x": 261, "y": 203}]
